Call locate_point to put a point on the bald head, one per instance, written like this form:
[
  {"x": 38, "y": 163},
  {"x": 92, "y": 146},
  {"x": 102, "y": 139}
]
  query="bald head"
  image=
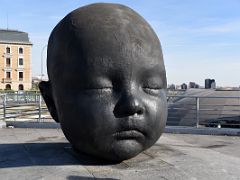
[
  {"x": 107, "y": 81},
  {"x": 101, "y": 30}
]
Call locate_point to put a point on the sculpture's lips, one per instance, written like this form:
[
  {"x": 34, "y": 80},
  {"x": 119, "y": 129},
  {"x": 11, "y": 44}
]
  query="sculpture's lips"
[
  {"x": 128, "y": 134},
  {"x": 131, "y": 128}
]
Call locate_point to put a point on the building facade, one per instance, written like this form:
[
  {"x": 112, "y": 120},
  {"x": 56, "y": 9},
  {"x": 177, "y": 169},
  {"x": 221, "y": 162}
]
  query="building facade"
[
  {"x": 210, "y": 84},
  {"x": 15, "y": 60}
]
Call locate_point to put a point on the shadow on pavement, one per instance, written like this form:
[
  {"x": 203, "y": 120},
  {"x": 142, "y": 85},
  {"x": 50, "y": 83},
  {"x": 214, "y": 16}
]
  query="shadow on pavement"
[
  {"x": 87, "y": 178},
  {"x": 43, "y": 154}
]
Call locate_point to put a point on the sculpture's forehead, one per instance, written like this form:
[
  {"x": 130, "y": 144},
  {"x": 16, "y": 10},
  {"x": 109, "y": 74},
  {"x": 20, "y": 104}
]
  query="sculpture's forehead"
[
  {"x": 117, "y": 67},
  {"x": 102, "y": 32},
  {"x": 126, "y": 40},
  {"x": 107, "y": 53}
]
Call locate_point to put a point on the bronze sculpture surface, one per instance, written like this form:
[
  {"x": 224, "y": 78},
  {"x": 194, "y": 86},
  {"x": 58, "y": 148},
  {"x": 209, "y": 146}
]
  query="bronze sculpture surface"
[{"x": 107, "y": 81}]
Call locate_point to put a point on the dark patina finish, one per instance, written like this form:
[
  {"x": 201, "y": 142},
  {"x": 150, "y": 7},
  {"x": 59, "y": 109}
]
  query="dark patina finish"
[{"x": 107, "y": 81}]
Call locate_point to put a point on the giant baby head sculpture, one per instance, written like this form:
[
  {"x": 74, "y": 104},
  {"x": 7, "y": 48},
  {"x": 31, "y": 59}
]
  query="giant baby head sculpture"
[{"x": 107, "y": 81}]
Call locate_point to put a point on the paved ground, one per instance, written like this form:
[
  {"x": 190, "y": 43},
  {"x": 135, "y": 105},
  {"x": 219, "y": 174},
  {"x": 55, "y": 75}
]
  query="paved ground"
[{"x": 45, "y": 154}]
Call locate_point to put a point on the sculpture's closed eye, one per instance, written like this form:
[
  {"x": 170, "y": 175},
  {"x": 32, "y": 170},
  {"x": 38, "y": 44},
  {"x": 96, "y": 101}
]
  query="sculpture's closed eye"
[
  {"x": 98, "y": 89},
  {"x": 152, "y": 90},
  {"x": 152, "y": 87},
  {"x": 98, "y": 84}
]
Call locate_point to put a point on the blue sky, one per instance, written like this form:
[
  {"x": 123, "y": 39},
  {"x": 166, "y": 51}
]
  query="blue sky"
[{"x": 200, "y": 39}]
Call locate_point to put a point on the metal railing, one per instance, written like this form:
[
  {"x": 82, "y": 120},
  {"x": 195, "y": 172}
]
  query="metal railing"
[
  {"x": 23, "y": 106},
  {"x": 209, "y": 111}
]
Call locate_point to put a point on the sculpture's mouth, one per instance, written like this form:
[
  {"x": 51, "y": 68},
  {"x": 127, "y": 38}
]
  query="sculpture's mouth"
[
  {"x": 131, "y": 128},
  {"x": 129, "y": 134}
]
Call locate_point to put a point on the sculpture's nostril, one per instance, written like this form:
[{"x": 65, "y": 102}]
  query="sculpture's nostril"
[{"x": 139, "y": 111}]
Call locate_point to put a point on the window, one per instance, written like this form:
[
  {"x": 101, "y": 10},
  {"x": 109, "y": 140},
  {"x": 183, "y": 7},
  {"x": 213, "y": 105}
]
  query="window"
[
  {"x": 20, "y": 50},
  {"x": 8, "y": 75},
  {"x": 20, "y": 61},
  {"x": 8, "y": 87},
  {"x": 20, "y": 87},
  {"x": 8, "y": 62},
  {"x": 8, "y": 50},
  {"x": 20, "y": 76}
]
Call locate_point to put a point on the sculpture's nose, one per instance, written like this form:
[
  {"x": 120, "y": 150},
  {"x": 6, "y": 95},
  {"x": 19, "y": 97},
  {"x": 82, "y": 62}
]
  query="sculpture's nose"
[{"x": 129, "y": 104}]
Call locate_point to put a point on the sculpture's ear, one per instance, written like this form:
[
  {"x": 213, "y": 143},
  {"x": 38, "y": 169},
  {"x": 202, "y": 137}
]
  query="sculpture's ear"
[{"x": 46, "y": 91}]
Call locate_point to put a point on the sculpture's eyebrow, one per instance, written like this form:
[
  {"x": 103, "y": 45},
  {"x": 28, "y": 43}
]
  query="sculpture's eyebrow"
[
  {"x": 154, "y": 73},
  {"x": 154, "y": 70}
]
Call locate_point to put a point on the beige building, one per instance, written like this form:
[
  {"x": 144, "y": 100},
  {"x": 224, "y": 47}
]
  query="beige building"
[{"x": 15, "y": 60}]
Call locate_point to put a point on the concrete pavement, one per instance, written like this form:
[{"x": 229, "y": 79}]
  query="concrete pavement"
[{"x": 45, "y": 154}]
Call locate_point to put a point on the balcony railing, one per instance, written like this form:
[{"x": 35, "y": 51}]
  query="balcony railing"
[
  {"x": 6, "y": 80},
  {"x": 7, "y": 54}
]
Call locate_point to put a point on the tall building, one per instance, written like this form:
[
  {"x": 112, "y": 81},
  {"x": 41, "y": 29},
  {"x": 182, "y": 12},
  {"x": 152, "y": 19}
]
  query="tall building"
[
  {"x": 210, "y": 84},
  {"x": 192, "y": 85},
  {"x": 171, "y": 87},
  {"x": 15, "y": 60},
  {"x": 184, "y": 86}
]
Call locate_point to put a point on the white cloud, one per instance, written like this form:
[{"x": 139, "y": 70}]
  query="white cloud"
[{"x": 228, "y": 27}]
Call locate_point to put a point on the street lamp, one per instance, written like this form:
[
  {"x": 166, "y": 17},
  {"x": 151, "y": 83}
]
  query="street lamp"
[{"x": 42, "y": 61}]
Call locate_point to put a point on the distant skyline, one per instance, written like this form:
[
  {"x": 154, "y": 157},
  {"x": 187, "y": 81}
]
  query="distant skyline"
[{"x": 200, "y": 39}]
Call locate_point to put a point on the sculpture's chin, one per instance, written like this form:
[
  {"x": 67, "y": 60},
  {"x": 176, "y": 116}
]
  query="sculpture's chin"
[
  {"x": 125, "y": 149},
  {"x": 116, "y": 152},
  {"x": 115, "y": 148}
]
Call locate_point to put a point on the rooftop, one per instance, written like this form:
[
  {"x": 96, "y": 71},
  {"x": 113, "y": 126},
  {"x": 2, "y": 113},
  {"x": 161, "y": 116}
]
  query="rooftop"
[{"x": 13, "y": 36}]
